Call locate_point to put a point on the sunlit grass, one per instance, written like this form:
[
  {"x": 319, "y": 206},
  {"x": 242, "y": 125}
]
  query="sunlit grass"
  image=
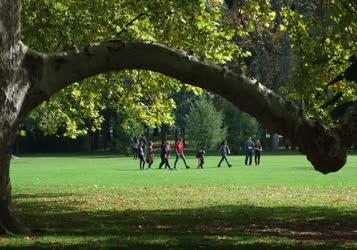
[{"x": 103, "y": 202}]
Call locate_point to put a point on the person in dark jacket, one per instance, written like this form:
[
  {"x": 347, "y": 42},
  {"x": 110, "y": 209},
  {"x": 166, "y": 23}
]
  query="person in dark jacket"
[
  {"x": 141, "y": 156},
  {"x": 201, "y": 158},
  {"x": 144, "y": 141},
  {"x": 165, "y": 155},
  {"x": 224, "y": 151},
  {"x": 257, "y": 152},
  {"x": 249, "y": 148}
]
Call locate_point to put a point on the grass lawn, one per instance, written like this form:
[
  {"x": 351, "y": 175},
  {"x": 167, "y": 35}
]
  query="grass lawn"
[{"x": 103, "y": 202}]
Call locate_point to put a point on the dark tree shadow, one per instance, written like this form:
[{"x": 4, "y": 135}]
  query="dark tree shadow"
[{"x": 215, "y": 227}]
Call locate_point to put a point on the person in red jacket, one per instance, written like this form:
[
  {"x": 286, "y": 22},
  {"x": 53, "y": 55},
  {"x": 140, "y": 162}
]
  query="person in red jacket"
[{"x": 180, "y": 148}]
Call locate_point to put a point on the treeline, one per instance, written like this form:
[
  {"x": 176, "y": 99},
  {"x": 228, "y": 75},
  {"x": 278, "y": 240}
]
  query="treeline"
[{"x": 203, "y": 121}]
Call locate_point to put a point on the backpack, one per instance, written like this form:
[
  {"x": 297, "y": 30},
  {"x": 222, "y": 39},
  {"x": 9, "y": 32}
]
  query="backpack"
[{"x": 198, "y": 154}]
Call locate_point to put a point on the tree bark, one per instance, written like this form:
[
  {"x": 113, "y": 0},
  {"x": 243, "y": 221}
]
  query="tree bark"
[
  {"x": 9, "y": 224},
  {"x": 326, "y": 148},
  {"x": 14, "y": 84}
]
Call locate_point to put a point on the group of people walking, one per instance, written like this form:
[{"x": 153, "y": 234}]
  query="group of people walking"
[
  {"x": 142, "y": 148},
  {"x": 165, "y": 154},
  {"x": 144, "y": 151}
]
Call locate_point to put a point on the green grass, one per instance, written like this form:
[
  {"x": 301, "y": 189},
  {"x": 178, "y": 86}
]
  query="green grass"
[{"x": 103, "y": 202}]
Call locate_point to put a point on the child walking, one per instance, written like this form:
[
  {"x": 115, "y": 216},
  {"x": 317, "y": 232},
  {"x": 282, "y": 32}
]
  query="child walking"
[{"x": 201, "y": 158}]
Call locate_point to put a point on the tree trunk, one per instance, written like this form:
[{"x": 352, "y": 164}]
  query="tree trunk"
[
  {"x": 147, "y": 132},
  {"x": 156, "y": 132},
  {"x": 14, "y": 85},
  {"x": 9, "y": 223},
  {"x": 183, "y": 136},
  {"x": 164, "y": 132},
  {"x": 263, "y": 138},
  {"x": 176, "y": 134}
]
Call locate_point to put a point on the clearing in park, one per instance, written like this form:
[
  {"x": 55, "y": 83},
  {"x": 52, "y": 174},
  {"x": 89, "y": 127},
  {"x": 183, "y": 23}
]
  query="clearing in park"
[{"x": 103, "y": 202}]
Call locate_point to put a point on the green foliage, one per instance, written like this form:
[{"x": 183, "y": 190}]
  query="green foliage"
[
  {"x": 183, "y": 100},
  {"x": 298, "y": 47},
  {"x": 205, "y": 124},
  {"x": 54, "y": 25},
  {"x": 323, "y": 37},
  {"x": 123, "y": 129},
  {"x": 240, "y": 126}
]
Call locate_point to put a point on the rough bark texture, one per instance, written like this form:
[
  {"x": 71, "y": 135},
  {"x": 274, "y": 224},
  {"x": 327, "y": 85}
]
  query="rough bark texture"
[
  {"x": 13, "y": 88},
  {"x": 28, "y": 77}
]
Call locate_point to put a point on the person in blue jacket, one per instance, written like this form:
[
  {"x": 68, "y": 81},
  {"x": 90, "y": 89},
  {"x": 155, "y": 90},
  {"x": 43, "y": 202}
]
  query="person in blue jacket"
[{"x": 249, "y": 149}]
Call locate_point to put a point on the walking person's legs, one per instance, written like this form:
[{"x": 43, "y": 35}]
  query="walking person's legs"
[
  {"x": 219, "y": 164},
  {"x": 177, "y": 158},
  {"x": 141, "y": 162},
  {"x": 184, "y": 160},
  {"x": 162, "y": 163},
  {"x": 135, "y": 153},
  {"x": 201, "y": 162},
  {"x": 227, "y": 161},
  {"x": 246, "y": 159},
  {"x": 167, "y": 164}
]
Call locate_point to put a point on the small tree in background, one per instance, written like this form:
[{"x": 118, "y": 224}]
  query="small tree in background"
[
  {"x": 205, "y": 124},
  {"x": 240, "y": 125}
]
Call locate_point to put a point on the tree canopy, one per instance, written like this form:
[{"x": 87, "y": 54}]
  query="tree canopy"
[
  {"x": 316, "y": 39},
  {"x": 190, "y": 25}
]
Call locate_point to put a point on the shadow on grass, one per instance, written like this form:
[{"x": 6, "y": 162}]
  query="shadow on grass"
[
  {"x": 44, "y": 195},
  {"x": 67, "y": 226}
]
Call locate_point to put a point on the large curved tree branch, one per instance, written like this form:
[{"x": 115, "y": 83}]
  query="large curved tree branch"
[{"x": 325, "y": 147}]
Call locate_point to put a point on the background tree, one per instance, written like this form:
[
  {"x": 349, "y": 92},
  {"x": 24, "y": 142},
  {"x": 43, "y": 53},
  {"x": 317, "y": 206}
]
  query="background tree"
[
  {"x": 323, "y": 40},
  {"x": 240, "y": 126},
  {"x": 205, "y": 124}
]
